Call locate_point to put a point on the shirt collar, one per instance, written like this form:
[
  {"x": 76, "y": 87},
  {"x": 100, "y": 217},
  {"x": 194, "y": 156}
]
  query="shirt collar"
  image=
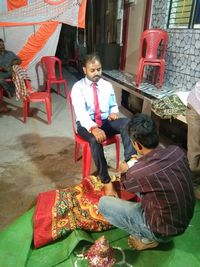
[
  {"x": 151, "y": 153},
  {"x": 89, "y": 83}
]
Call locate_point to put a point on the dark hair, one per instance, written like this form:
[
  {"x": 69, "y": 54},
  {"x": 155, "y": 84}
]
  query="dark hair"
[
  {"x": 1, "y": 40},
  {"x": 143, "y": 129},
  {"x": 91, "y": 58}
]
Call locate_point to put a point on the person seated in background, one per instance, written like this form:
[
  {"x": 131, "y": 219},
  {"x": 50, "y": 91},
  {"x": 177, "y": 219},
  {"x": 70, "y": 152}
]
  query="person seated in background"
[
  {"x": 95, "y": 124},
  {"x": 7, "y": 60},
  {"x": 193, "y": 136},
  {"x": 162, "y": 179}
]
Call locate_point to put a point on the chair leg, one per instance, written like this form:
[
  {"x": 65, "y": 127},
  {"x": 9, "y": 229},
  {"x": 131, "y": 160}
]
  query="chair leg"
[
  {"x": 156, "y": 74},
  {"x": 25, "y": 110},
  {"x": 77, "y": 146},
  {"x": 48, "y": 109},
  {"x": 1, "y": 93},
  {"x": 117, "y": 145},
  {"x": 66, "y": 89},
  {"x": 162, "y": 71},
  {"x": 58, "y": 88},
  {"x": 48, "y": 87},
  {"x": 139, "y": 73},
  {"x": 86, "y": 160}
]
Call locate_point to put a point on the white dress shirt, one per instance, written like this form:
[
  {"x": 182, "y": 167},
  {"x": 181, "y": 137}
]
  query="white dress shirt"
[
  {"x": 83, "y": 101},
  {"x": 194, "y": 97}
]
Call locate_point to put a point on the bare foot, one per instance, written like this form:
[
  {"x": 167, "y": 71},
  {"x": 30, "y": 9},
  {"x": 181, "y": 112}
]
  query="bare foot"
[
  {"x": 197, "y": 193},
  {"x": 110, "y": 190},
  {"x": 137, "y": 244}
]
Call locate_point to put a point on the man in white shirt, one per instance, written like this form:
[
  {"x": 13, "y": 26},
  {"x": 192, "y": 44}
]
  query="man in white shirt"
[
  {"x": 193, "y": 138},
  {"x": 83, "y": 102}
]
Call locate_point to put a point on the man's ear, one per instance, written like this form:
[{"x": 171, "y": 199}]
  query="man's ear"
[
  {"x": 139, "y": 145},
  {"x": 84, "y": 70}
]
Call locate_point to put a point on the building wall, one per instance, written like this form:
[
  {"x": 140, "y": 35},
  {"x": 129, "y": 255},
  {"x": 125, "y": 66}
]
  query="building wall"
[
  {"x": 183, "y": 50},
  {"x": 136, "y": 26}
]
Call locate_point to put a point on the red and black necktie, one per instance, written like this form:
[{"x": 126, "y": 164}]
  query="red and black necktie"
[{"x": 97, "y": 112}]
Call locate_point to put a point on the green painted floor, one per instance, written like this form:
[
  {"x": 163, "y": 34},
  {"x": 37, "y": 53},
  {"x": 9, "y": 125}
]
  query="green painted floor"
[{"x": 16, "y": 247}]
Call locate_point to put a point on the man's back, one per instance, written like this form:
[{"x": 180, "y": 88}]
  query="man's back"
[{"x": 163, "y": 178}]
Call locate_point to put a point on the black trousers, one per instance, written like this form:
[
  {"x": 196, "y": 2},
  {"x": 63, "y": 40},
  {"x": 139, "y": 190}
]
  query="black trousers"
[{"x": 110, "y": 128}]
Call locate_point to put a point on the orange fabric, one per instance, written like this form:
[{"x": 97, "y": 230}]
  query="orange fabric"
[
  {"x": 13, "y": 4},
  {"x": 81, "y": 14},
  {"x": 52, "y": 2},
  {"x": 36, "y": 42},
  {"x": 13, "y": 24}
]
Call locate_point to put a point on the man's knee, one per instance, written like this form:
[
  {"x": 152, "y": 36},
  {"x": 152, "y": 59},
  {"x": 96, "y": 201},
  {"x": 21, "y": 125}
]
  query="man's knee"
[
  {"x": 93, "y": 140},
  {"x": 103, "y": 203},
  {"x": 124, "y": 122}
]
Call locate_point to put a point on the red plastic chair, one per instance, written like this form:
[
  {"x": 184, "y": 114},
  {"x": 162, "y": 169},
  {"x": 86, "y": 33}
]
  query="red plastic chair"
[
  {"x": 1, "y": 93},
  {"x": 48, "y": 64},
  {"x": 36, "y": 97},
  {"x": 86, "y": 152},
  {"x": 75, "y": 59},
  {"x": 153, "y": 42}
]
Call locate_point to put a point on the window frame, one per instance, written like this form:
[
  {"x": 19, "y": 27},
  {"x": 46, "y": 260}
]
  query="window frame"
[{"x": 194, "y": 16}]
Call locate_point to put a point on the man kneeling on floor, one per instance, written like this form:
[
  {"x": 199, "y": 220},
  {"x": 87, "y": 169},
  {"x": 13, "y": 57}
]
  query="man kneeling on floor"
[{"x": 162, "y": 179}]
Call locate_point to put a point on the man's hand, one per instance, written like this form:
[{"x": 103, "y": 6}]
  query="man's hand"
[
  {"x": 123, "y": 167},
  {"x": 99, "y": 134},
  {"x": 16, "y": 62},
  {"x": 113, "y": 116}
]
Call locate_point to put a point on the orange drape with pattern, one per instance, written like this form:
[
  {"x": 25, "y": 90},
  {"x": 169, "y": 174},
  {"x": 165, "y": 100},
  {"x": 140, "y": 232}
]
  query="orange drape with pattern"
[
  {"x": 36, "y": 42},
  {"x": 13, "y": 4}
]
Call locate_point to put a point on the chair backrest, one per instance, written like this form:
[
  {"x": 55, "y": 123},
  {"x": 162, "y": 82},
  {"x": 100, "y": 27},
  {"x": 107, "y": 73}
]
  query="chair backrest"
[
  {"x": 71, "y": 112},
  {"x": 21, "y": 81},
  {"x": 28, "y": 86},
  {"x": 49, "y": 64},
  {"x": 153, "y": 43}
]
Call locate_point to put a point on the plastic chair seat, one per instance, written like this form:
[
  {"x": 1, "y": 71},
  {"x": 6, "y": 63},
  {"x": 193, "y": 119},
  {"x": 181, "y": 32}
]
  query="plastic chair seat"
[
  {"x": 36, "y": 97},
  {"x": 151, "y": 41},
  {"x": 86, "y": 152},
  {"x": 49, "y": 64},
  {"x": 57, "y": 80},
  {"x": 153, "y": 61}
]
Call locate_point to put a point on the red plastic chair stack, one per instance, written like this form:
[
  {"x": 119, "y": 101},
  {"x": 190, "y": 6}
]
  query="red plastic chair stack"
[
  {"x": 86, "y": 152},
  {"x": 153, "y": 42},
  {"x": 36, "y": 97},
  {"x": 49, "y": 64}
]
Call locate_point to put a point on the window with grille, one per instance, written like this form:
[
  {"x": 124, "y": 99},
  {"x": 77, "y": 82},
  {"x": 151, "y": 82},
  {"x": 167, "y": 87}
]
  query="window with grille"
[{"x": 184, "y": 14}]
